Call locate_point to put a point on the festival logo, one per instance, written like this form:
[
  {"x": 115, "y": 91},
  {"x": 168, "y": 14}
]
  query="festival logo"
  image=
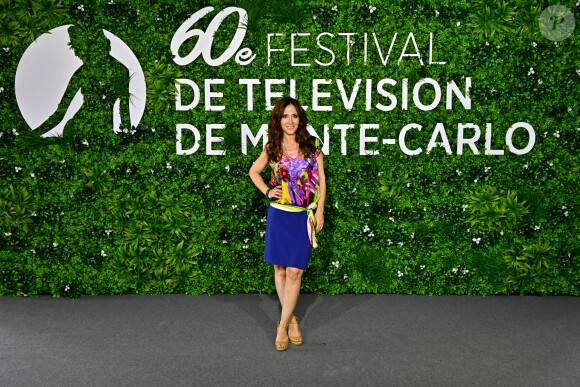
[{"x": 49, "y": 67}]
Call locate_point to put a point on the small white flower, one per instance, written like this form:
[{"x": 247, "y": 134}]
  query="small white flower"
[
  {"x": 539, "y": 81},
  {"x": 61, "y": 213},
  {"x": 33, "y": 214},
  {"x": 458, "y": 172},
  {"x": 531, "y": 71},
  {"x": 7, "y": 233},
  {"x": 550, "y": 164},
  {"x": 263, "y": 219},
  {"x": 234, "y": 206},
  {"x": 246, "y": 240},
  {"x": 465, "y": 271},
  {"x": 408, "y": 184},
  {"x": 487, "y": 43},
  {"x": 17, "y": 169},
  {"x": 557, "y": 134},
  {"x": 62, "y": 161},
  {"x": 33, "y": 251},
  {"x": 227, "y": 167},
  {"x": 314, "y": 17},
  {"x": 458, "y": 24},
  {"x": 262, "y": 233},
  {"x": 345, "y": 277},
  {"x": 103, "y": 253},
  {"x": 54, "y": 244},
  {"x": 371, "y": 235},
  {"x": 413, "y": 235},
  {"x": 455, "y": 270},
  {"x": 501, "y": 232},
  {"x": 153, "y": 130},
  {"x": 244, "y": 246},
  {"x": 469, "y": 230},
  {"x": 133, "y": 131},
  {"x": 476, "y": 240},
  {"x": 487, "y": 169},
  {"x": 436, "y": 13},
  {"x": 86, "y": 143},
  {"x": 536, "y": 227},
  {"x": 168, "y": 166},
  {"x": 128, "y": 170},
  {"x": 400, "y": 243},
  {"x": 526, "y": 166},
  {"x": 380, "y": 173},
  {"x": 353, "y": 190},
  {"x": 335, "y": 8},
  {"x": 224, "y": 241},
  {"x": 206, "y": 186},
  {"x": 534, "y": 44},
  {"x": 366, "y": 204},
  {"x": 1, "y": 89},
  {"x": 6, "y": 49},
  {"x": 564, "y": 207},
  {"x": 152, "y": 171},
  {"x": 391, "y": 219},
  {"x": 569, "y": 109},
  {"x": 372, "y": 9},
  {"x": 464, "y": 206},
  {"x": 475, "y": 181},
  {"x": 424, "y": 208},
  {"x": 493, "y": 90},
  {"x": 390, "y": 242},
  {"x": 335, "y": 263},
  {"x": 32, "y": 175},
  {"x": 433, "y": 183},
  {"x": 422, "y": 267},
  {"x": 108, "y": 231},
  {"x": 399, "y": 273},
  {"x": 81, "y": 7},
  {"x": 566, "y": 213},
  {"x": 578, "y": 71},
  {"x": 66, "y": 288},
  {"x": 125, "y": 130},
  {"x": 336, "y": 205},
  {"x": 104, "y": 96},
  {"x": 366, "y": 228}
]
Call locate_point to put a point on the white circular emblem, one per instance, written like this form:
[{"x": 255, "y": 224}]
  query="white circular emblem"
[{"x": 46, "y": 68}]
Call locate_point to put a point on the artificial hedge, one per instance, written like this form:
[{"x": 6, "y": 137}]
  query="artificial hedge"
[{"x": 127, "y": 214}]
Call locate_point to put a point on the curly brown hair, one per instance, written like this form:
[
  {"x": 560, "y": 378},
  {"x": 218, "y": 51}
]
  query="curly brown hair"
[{"x": 276, "y": 134}]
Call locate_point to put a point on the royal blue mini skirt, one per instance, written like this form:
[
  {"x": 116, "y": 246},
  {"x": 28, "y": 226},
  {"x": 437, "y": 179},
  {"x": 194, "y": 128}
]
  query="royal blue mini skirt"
[{"x": 287, "y": 242}]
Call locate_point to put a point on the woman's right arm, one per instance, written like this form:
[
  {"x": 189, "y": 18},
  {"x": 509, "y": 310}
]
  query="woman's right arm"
[{"x": 255, "y": 171}]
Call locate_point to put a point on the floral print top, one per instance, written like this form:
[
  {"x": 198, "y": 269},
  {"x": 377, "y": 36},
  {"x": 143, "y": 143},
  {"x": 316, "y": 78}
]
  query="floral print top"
[{"x": 298, "y": 177}]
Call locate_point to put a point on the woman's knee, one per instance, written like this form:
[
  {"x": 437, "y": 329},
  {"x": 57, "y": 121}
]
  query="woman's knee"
[
  {"x": 279, "y": 271},
  {"x": 293, "y": 273}
]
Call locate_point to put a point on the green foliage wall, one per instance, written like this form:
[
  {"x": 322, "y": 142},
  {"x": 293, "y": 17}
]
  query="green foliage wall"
[{"x": 126, "y": 214}]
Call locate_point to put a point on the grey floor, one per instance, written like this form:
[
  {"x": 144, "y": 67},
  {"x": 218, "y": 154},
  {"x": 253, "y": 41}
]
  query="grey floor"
[{"x": 350, "y": 340}]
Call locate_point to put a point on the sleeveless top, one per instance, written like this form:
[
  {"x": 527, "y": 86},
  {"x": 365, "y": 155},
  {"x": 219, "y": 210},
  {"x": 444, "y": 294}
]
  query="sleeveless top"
[{"x": 298, "y": 177}]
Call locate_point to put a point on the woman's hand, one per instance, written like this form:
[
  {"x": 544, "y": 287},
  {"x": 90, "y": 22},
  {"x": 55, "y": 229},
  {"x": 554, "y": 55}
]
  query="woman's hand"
[
  {"x": 275, "y": 193},
  {"x": 319, "y": 218}
]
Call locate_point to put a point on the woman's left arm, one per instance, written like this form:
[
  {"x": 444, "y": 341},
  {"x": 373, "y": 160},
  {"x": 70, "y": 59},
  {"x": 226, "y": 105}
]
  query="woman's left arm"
[{"x": 319, "y": 216}]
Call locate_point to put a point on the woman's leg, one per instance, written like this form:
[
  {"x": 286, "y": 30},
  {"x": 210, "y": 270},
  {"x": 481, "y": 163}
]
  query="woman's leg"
[
  {"x": 280, "y": 280},
  {"x": 291, "y": 293}
]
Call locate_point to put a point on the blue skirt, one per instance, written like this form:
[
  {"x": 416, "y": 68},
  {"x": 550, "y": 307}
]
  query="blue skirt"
[{"x": 287, "y": 242}]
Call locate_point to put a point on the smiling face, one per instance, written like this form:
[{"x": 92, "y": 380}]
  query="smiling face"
[{"x": 290, "y": 120}]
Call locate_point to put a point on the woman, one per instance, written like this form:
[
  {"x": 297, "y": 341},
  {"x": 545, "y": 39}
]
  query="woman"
[{"x": 297, "y": 209}]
